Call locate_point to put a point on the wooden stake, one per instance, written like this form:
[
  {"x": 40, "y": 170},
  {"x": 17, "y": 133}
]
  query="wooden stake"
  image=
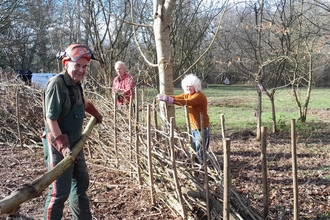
[
  {"x": 294, "y": 170},
  {"x": 155, "y": 121},
  {"x": 226, "y": 178},
  {"x": 264, "y": 171},
  {"x": 206, "y": 177},
  {"x": 18, "y": 115},
  {"x": 151, "y": 174},
  {"x": 175, "y": 175},
  {"x": 115, "y": 128},
  {"x": 130, "y": 131},
  {"x": 137, "y": 150},
  {"x": 222, "y": 120},
  {"x": 188, "y": 131}
]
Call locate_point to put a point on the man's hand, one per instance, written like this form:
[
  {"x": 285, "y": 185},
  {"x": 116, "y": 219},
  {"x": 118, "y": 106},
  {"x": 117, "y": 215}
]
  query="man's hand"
[
  {"x": 90, "y": 109},
  {"x": 62, "y": 144}
]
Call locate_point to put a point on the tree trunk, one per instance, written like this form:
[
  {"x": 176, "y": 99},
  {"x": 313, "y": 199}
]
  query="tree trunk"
[
  {"x": 162, "y": 27},
  {"x": 11, "y": 203},
  {"x": 271, "y": 96},
  {"x": 259, "y": 112},
  {"x": 309, "y": 85},
  {"x": 259, "y": 60},
  {"x": 272, "y": 102}
]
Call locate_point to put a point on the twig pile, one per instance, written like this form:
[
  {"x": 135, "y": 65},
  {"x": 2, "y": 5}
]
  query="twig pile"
[
  {"x": 122, "y": 142},
  {"x": 21, "y": 112},
  {"x": 115, "y": 143}
]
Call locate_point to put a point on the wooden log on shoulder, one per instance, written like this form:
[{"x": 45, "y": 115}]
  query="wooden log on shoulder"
[{"x": 11, "y": 203}]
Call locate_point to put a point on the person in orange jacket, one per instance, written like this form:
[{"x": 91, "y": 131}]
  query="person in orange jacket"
[
  {"x": 64, "y": 112},
  {"x": 197, "y": 104}
]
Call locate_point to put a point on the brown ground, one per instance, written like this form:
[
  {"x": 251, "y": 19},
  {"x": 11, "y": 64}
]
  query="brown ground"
[
  {"x": 313, "y": 176},
  {"x": 115, "y": 195}
]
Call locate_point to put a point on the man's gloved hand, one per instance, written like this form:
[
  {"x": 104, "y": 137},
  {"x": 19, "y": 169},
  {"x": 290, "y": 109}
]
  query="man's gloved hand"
[
  {"x": 165, "y": 98},
  {"x": 90, "y": 109},
  {"x": 62, "y": 144}
]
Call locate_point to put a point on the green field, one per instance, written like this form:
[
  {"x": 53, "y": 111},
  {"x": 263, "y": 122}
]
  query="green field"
[{"x": 238, "y": 103}]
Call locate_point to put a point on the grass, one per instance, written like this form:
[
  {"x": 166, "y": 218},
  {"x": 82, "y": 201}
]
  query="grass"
[{"x": 238, "y": 103}]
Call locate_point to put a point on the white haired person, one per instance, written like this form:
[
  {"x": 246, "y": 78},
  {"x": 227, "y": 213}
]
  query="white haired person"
[
  {"x": 123, "y": 84},
  {"x": 197, "y": 104}
]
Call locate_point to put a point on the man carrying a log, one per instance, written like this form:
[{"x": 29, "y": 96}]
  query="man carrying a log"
[{"x": 64, "y": 111}]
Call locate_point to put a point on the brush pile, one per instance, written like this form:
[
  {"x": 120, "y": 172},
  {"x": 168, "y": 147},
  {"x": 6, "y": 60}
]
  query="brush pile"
[{"x": 160, "y": 159}]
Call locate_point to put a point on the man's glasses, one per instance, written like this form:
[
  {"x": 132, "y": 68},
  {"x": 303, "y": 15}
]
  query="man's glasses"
[{"x": 76, "y": 53}]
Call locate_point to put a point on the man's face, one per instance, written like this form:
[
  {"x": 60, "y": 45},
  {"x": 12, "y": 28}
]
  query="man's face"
[
  {"x": 120, "y": 70},
  {"x": 77, "y": 70}
]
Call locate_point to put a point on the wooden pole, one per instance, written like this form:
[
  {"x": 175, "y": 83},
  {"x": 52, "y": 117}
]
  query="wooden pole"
[
  {"x": 222, "y": 119},
  {"x": 142, "y": 101},
  {"x": 259, "y": 112},
  {"x": 10, "y": 204},
  {"x": 18, "y": 115},
  {"x": 155, "y": 122},
  {"x": 137, "y": 150},
  {"x": 294, "y": 170},
  {"x": 175, "y": 174},
  {"x": 264, "y": 171},
  {"x": 136, "y": 102},
  {"x": 188, "y": 131},
  {"x": 206, "y": 177},
  {"x": 115, "y": 128},
  {"x": 226, "y": 178},
  {"x": 130, "y": 131},
  {"x": 151, "y": 174}
]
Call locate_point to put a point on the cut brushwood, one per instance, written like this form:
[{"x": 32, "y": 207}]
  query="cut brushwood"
[{"x": 11, "y": 203}]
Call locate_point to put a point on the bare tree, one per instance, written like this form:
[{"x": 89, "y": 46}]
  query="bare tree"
[
  {"x": 7, "y": 14},
  {"x": 194, "y": 25},
  {"x": 162, "y": 29},
  {"x": 309, "y": 53},
  {"x": 25, "y": 37},
  {"x": 274, "y": 52}
]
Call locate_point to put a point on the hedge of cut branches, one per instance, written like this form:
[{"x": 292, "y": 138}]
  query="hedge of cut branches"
[
  {"x": 121, "y": 141},
  {"x": 21, "y": 113}
]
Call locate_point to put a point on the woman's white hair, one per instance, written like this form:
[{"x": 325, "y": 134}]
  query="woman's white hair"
[
  {"x": 120, "y": 63},
  {"x": 191, "y": 80}
]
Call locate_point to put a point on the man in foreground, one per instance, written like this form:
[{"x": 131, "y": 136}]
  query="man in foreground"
[{"x": 64, "y": 111}]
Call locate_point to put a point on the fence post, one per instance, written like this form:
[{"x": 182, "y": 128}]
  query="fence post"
[
  {"x": 188, "y": 131},
  {"x": 155, "y": 121},
  {"x": 175, "y": 175},
  {"x": 130, "y": 131},
  {"x": 18, "y": 115},
  {"x": 264, "y": 171},
  {"x": 137, "y": 150},
  {"x": 294, "y": 170},
  {"x": 115, "y": 128},
  {"x": 151, "y": 174},
  {"x": 222, "y": 119},
  {"x": 227, "y": 178},
  {"x": 206, "y": 177}
]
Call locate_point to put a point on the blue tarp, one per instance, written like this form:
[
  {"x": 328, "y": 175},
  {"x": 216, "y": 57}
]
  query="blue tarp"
[{"x": 39, "y": 80}]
